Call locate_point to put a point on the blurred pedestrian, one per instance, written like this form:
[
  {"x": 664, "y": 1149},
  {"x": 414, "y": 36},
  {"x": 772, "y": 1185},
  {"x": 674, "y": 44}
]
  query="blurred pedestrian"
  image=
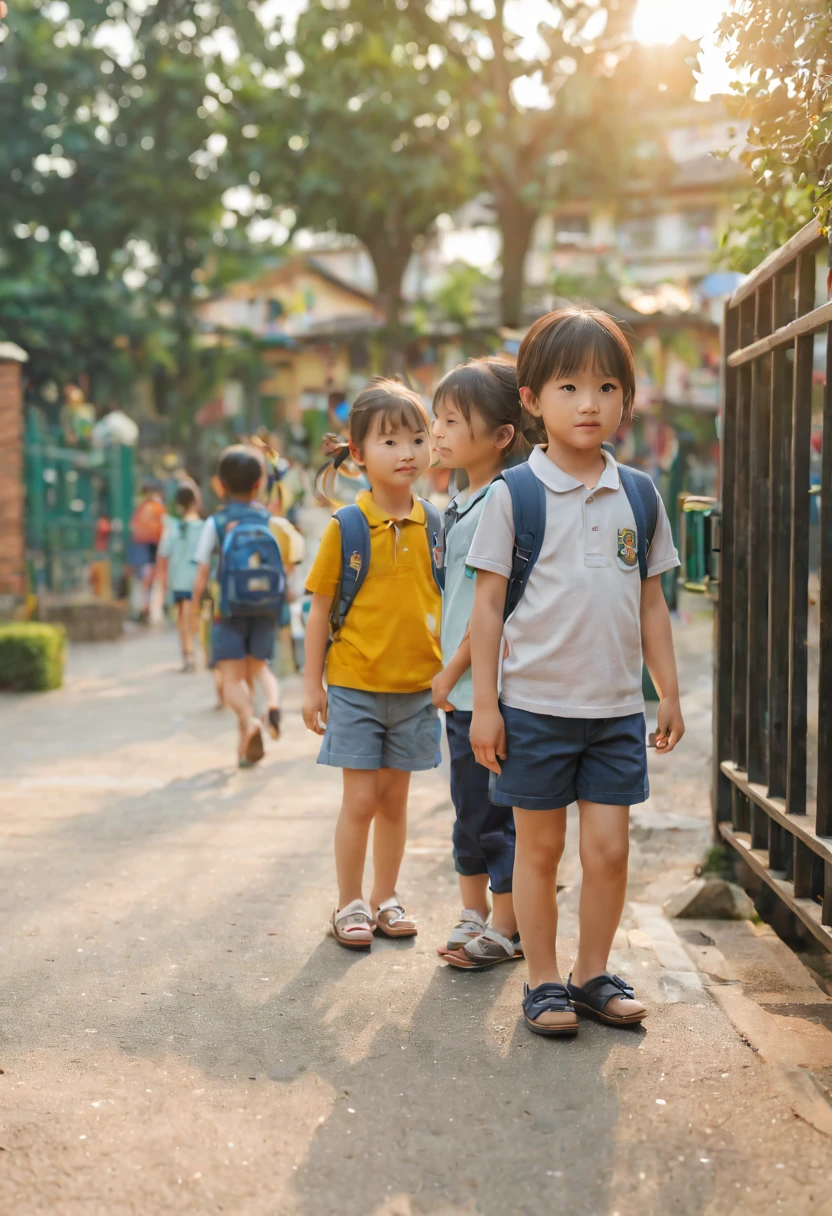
[
  {"x": 177, "y": 565},
  {"x": 251, "y": 578},
  {"x": 146, "y": 529}
]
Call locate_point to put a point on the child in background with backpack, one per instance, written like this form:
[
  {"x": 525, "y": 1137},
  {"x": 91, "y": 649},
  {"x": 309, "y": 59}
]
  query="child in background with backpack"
[
  {"x": 572, "y": 544},
  {"x": 252, "y": 590},
  {"x": 479, "y": 425},
  {"x": 374, "y": 589},
  {"x": 177, "y": 565}
]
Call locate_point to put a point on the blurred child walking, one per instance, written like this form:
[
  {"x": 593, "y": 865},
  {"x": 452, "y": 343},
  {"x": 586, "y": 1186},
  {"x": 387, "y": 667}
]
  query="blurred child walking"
[
  {"x": 251, "y": 580},
  {"x": 479, "y": 425},
  {"x": 568, "y": 552},
  {"x": 376, "y": 596},
  {"x": 176, "y": 565}
]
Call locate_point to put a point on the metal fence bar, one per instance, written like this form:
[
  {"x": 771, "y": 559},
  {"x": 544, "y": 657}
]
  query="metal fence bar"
[
  {"x": 723, "y": 673},
  {"x": 782, "y": 302},
  {"x": 799, "y": 578},
  {"x": 758, "y": 563},
  {"x": 739, "y": 717},
  {"x": 824, "y": 799}
]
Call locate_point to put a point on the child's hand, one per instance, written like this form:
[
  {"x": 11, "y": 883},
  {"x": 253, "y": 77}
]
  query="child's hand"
[
  {"x": 488, "y": 738},
  {"x": 669, "y": 727},
  {"x": 314, "y": 709},
  {"x": 441, "y": 687}
]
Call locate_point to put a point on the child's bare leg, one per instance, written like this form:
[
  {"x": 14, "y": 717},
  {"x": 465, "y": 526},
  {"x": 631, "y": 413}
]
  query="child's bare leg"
[
  {"x": 237, "y": 696},
  {"x": 268, "y": 683},
  {"x": 472, "y": 889},
  {"x": 503, "y": 916},
  {"x": 358, "y": 807},
  {"x": 605, "y": 846},
  {"x": 389, "y": 832},
  {"x": 183, "y": 624},
  {"x": 541, "y": 836}
]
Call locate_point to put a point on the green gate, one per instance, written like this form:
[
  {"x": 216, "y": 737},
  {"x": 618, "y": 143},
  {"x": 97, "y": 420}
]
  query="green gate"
[{"x": 69, "y": 491}]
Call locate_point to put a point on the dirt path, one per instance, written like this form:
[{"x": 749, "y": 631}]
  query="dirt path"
[{"x": 177, "y": 1034}]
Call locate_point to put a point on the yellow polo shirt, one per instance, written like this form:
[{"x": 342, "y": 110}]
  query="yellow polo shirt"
[{"x": 390, "y": 639}]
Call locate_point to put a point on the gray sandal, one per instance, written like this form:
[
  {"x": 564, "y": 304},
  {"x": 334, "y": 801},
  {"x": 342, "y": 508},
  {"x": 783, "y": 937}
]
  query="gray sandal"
[
  {"x": 487, "y": 950},
  {"x": 393, "y": 921},
  {"x": 469, "y": 926},
  {"x": 353, "y": 925}
]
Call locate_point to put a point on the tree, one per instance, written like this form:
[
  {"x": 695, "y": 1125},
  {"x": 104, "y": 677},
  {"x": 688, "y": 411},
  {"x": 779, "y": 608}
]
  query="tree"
[
  {"x": 377, "y": 148},
  {"x": 782, "y": 53},
  {"x": 123, "y": 130},
  {"x": 571, "y": 109}
]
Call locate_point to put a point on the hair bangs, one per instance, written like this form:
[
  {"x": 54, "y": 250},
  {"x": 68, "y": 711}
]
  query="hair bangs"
[
  {"x": 402, "y": 414},
  {"x": 582, "y": 344}
]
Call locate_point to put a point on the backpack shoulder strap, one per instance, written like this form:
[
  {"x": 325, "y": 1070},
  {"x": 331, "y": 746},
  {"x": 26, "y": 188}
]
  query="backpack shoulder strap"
[
  {"x": 433, "y": 526},
  {"x": 641, "y": 494},
  {"x": 528, "y": 505},
  {"x": 355, "y": 561}
]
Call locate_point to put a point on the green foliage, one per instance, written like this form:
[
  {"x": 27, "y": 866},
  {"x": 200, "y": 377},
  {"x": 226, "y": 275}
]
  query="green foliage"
[
  {"x": 124, "y": 127},
  {"x": 32, "y": 656},
  {"x": 459, "y": 294},
  {"x": 780, "y": 52},
  {"x": 376, "y": 146},
  {"x": 579, "y": 115}
]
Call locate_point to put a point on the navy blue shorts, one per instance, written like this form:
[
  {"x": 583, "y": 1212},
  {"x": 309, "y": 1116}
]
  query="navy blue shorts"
[
  {"x": 243, "y": 637},
  {"x": 551, "y": 762},
  {"x": 483, "y": 833},
  {"x": 181, "y": 597}
]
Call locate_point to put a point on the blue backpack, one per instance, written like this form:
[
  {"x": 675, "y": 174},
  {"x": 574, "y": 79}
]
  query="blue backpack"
[
  {"x": 355, "y": 555},
  {"x": 528, "y": 504},
  {"x": 251, "y": 575}
]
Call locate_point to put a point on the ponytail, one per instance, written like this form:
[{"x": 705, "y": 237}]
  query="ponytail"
[{"x": 328, "y": 474}]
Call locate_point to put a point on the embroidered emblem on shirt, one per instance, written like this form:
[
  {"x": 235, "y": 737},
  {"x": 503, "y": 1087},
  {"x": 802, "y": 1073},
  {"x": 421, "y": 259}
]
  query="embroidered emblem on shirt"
[{"x": 627, "y": 552}]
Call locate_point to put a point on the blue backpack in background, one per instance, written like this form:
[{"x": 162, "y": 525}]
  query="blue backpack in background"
[
  {"x": 251, "y": 574},
  {"x": 355, "y": 555},
  {"x": 528, "y": 505}
]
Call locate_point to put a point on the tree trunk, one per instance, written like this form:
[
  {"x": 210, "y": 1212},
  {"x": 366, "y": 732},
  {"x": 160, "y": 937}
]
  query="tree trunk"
[
  {"x": 516, "y": 225},
  {"x": 390, "y": 262}
]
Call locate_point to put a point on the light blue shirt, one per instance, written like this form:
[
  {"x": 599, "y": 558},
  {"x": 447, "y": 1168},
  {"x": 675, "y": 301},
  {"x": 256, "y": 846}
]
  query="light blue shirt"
[
  {"x": 460, "y": 581},
  {"x": 178, "y": 545}
]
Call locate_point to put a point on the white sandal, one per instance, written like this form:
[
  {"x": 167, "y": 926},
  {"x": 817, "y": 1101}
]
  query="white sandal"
[
  {"x": 353, "y": 925},
  {"x": 469, "y": 926},
  {"x": 392, "y": 920}
]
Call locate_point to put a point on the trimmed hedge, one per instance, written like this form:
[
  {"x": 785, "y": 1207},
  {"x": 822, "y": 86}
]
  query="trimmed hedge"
[{"x": 32, "y": 656}]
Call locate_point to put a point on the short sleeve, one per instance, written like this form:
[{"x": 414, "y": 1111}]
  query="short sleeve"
[
  {"x": 493, "y": 542},
  {"x": 662, "y": 555},
  {"x": 166, "y": 543},
  {"x": 325, "y": 574},
  {"x": 207, "y": 543}
]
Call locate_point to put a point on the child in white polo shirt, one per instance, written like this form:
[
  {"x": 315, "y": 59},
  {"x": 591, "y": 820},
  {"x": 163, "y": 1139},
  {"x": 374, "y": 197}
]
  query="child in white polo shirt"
[{"x": 567, "y": 723}]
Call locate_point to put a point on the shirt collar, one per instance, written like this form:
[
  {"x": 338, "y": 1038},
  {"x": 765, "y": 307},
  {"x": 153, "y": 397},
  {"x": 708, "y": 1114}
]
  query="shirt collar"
[
  {"x": 555, "y": 479},
  {"x": 465, "y": 500},
  {"x": 376, "y": 517}
]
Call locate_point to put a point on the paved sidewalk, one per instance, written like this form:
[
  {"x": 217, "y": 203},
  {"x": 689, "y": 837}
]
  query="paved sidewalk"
[{"x": 178, "y": 1034}]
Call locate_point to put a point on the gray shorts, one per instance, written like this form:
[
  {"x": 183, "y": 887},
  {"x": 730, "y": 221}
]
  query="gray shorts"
[{"x": 372, "y": 730}]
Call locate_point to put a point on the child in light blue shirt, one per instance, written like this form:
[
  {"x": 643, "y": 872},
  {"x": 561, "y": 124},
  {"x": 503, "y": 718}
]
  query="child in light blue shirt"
[{"x": 177, "y": 565}]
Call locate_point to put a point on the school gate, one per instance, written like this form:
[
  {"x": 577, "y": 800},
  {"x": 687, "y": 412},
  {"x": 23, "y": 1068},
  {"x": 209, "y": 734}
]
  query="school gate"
[{"x": 772, "y": 790}]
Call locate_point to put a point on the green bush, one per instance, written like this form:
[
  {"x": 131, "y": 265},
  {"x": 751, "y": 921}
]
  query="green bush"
[{"x": 32, "y": 656}]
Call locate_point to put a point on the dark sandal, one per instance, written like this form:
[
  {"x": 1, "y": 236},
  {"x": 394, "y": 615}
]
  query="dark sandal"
[
  {"x": 548, "y": 998},
  {"x": 272, "y": 723},
  {"x": 597, "y": 993}
]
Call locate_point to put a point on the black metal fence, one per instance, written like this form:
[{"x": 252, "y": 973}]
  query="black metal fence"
[{"x": 772, "y": 795}]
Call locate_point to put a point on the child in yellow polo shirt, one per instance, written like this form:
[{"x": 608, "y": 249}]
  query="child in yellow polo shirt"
[{"x": 376, "y": 713}]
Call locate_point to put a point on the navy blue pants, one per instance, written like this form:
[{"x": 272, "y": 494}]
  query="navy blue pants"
[{"x": 483, "y": 833}]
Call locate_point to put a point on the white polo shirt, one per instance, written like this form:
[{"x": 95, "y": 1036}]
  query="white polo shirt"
[{"x": 574, "y": 640}]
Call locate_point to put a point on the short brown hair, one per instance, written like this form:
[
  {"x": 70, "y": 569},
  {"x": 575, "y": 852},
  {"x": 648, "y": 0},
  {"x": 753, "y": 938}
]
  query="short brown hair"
[
  {"x": 393, "y": 403},
  {"x": 239, "y": 468},
  {"x": 563, "y": 342}
]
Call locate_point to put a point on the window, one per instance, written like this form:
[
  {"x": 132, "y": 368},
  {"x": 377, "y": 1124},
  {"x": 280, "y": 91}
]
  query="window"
[
  {"x": 697, "y": 228},
  {"x": 637, "y": 234}
]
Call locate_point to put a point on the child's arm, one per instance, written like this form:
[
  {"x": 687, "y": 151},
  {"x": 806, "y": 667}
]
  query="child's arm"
[
  {"x": 317, "y": 636},
  {"x": 443, "y": 684},
  {"x": 162, "y": 574},
  {"x": 203, "y": 572},
  {"x": 488, "y": 734},
  {"x": 657, "y": 644}
]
